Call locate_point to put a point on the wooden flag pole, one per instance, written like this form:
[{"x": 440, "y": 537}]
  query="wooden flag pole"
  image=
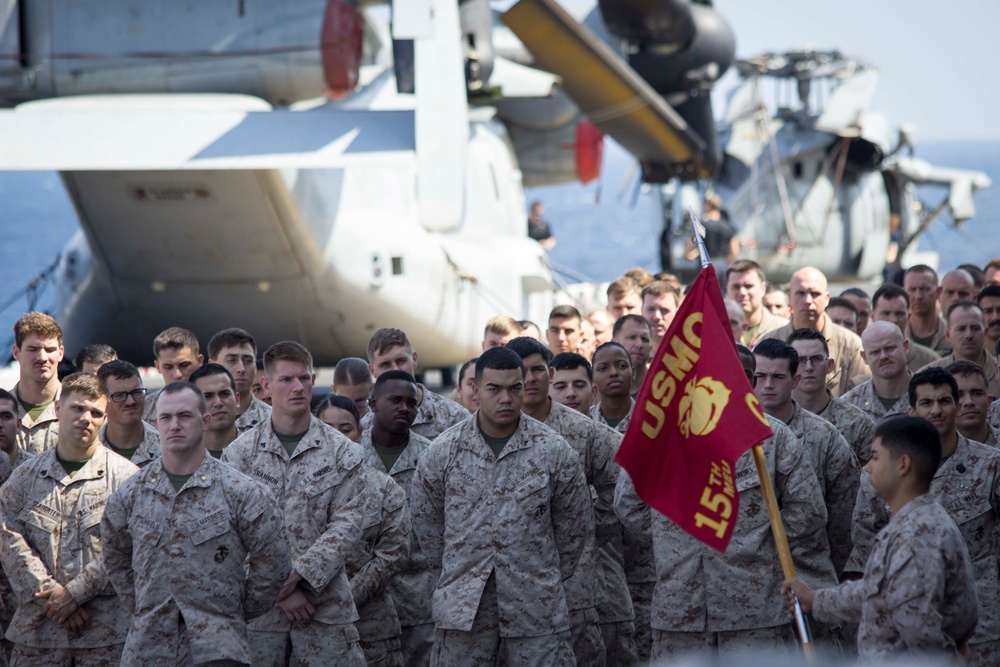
[
  {"x": 773, "y": 513},
  {"x": 781, "y": 544}
]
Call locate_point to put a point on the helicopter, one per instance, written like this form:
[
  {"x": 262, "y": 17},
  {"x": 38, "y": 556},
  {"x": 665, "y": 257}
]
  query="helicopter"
[
  {"x": 308, "y": 169},
  {"x": 809, "y": 173}
]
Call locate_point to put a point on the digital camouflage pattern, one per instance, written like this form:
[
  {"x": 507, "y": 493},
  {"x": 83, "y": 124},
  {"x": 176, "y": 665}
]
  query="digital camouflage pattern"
[
  {"x": 603, "y": 574},
  {"x": 320, "y": 493},
  {"x": 622, "y": 426},
  {"x": 375, "y": 559},
  {"x": 967, "y": 485},
  {"x": 845, "y": 350},
  {"x": 435, "y": 415},
  {"x": 259, "y": 412},
  {"x": 524, "y": 517},
  {"x": 836, "y": 469},
  {"x": 213, "y": 553},
  {"x": 918, "y": 591},
  {"x": 38, "y": 435},
  {"x": 854, "y": 424},
  {"x": 699, "y": 589},
  {"x": 413, "y": 585},
  {"x": 52, "y": 535},
  {"x": 149, "y": 449},
  {"x": 864, "y": 397}
]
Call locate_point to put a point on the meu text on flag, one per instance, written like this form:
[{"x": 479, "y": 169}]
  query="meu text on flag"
[{"x": 694, "y": 416}]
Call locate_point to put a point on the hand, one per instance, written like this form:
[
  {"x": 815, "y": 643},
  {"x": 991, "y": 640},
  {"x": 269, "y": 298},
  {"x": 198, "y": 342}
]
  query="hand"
[
  {"x": 290, "y": 585},
  {"x": 297, "y": 607},
  {"x": 77, "y": 620},
  {"x": 796, "y": 589},
  {"x": 60, "y": 605}
]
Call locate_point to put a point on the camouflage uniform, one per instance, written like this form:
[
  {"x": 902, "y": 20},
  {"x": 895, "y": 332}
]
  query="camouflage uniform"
[
  {"x": 149, "y": 412},
  {"x": 993, "y": 439},
  {"x": 41, "y": 434},
  {"x": 919, "y": 356},
  {"x": 640, "y": 574},
  {"x": 372, "y": 564},
  {"x": 20, "y": 457},
  {"x": 149, "y": 449},
  {"x": 989, "y": 367},
  {"x": 521, "y": 519},
  {"x": 598, "y": 591},
  {"x": 587, "y": 589},
  {"x": 854, "y": 424},
  {"x": 939, "y": 342},
  {"x": 258, "y": 413},
  {"x": 595, "y": 413},
  {"x": 435, "y": 415},
  {"x": 51, "y": 535},
  {"x": 845, "y": 350},
  {"x": 993, "y": 415},
  {"x": 837, "y": 470},
  {"x": 917, "y": 595},
  {"x": 177, "y": 559},
  {"x": 320, "y": 490},
  {"x": 967, "y": 484},
  {"x": 733, "y": 599},
  {"x": 412, "y": 587},
  {"x": 864, "y": 398}
]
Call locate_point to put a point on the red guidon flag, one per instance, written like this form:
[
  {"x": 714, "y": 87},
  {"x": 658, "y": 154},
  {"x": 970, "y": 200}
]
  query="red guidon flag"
[{"x": 694, "y": 416}]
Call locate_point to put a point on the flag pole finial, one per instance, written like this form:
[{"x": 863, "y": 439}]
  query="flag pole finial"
[{"x": 698, "y": 230}]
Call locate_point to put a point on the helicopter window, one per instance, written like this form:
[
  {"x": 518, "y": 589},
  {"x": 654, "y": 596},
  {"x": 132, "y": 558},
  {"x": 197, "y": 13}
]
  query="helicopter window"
[
  {"x": 797, "y": 169},
  {"x": 397, "y": 266}
]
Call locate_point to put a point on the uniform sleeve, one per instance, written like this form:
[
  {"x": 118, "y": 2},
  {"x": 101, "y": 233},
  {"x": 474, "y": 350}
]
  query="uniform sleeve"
[
  {"x": 841, "y": 604},
  {"x": 116, "y": 550},
  {"x": 863, "y": 445},
  {"x": 604, "y": 478},
  {"x": 391, "y": 546},
  {"x": 572, "y": 511},
  {"x": 327, "y": 555},
  {"x": 427, "y": 493},
  {"x": 631, "y": 510},
  {"x": 841, "y": 493},
  {"x": 25, "y": 569},
  {"x": 870, "y": 515},
  {"x": 802, "y": 510},
  {"x": 268, "y": 556},
  {"x": 912, "y": 590}
]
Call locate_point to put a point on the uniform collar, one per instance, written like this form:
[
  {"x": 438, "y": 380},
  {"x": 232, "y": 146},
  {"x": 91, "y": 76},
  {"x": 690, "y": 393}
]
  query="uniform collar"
[
  {"x": 156, "y": 477},
  {"x": 95, "y": 468}
]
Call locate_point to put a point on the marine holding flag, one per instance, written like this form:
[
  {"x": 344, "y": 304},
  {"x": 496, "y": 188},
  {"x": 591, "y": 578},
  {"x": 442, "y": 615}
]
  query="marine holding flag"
[{"x": 685, "y": 454}]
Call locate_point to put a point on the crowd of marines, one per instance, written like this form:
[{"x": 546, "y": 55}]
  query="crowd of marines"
[{"x": 227, "y": 520}]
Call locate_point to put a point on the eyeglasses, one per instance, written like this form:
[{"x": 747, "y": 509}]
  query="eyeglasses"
[
  {"x": 122, "y": 396},
  {"x": 815, "y": 360}
]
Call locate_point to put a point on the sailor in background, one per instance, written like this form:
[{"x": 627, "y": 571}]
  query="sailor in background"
[{"x": 538, "y": 228}]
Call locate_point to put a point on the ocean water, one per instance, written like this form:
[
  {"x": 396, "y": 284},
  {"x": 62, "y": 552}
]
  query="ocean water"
[{"x": 602, "y": 228}]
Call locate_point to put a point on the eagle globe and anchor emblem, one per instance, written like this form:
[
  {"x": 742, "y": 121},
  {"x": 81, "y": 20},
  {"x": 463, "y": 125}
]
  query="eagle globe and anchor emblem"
[{"x": 701, "y": 406}]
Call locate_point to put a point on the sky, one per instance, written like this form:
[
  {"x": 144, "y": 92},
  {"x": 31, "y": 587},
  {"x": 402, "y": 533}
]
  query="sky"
[{"x": 938, "y": 60}]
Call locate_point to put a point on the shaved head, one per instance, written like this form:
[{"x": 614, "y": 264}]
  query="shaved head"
[
  {"x": 880, "y": 329},
  {"x": 808, "y": 295}
]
